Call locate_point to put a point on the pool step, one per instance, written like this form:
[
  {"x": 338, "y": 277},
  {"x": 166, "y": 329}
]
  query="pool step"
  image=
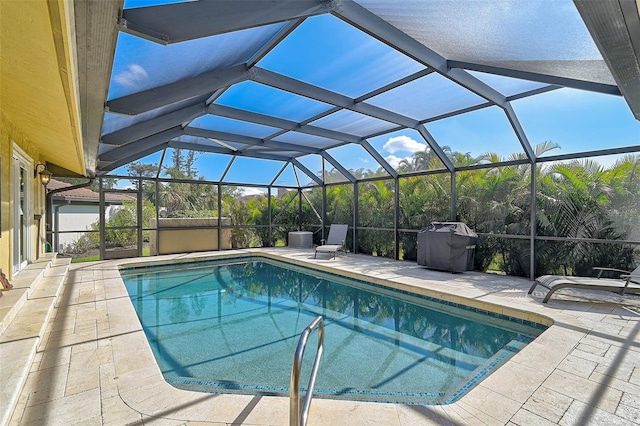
[{"x": 26, "y": 310}]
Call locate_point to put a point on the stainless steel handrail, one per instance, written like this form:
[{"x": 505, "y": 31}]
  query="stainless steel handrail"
[{"x": 298, "y": 416}]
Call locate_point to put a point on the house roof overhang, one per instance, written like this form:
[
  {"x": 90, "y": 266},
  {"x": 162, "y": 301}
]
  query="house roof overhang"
[{"x": 40, "y": 95}]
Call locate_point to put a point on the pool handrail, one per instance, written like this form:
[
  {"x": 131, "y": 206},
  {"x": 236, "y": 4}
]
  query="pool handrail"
[{"x": 298, "y": 416}]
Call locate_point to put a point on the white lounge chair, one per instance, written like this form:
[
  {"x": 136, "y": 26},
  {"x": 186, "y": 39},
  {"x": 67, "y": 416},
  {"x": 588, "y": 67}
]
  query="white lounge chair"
[
  {"x": 334, "y": 242},
  {"x": 628, "y": 282}
]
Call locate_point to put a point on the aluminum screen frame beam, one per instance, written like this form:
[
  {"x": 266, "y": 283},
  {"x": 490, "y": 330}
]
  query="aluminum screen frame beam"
[
  {"x": 277, "y": 176},
  {"x": 541, "y": 78},
  {"x": 339, "y": 167},
  {"x": 203, "y": 84},
  {"x": 274, "y": 42},
  {"x": 395, "y": 84},
  {"x": 633, "y": 149},
  {"x": 307, "y": 172},
  {"x": 437, "y": 149},
  {"x": 303, "y": 150},
  {"x": 104, "y": 169},
  {"x": 248, "y": 141},
  {"x": 131, "y": 149},
  {"x": 378, "y": 28},
  {"x": 155, "y": 125},
  {"x": 376, "y": 156},
  {"x": 173, "y": 23},
  {"x": 223, "y": 151},
  {"x": 282, "y": 82},
  {"x": 224, "y": 136},
  {"x": 280, "y": 123}
]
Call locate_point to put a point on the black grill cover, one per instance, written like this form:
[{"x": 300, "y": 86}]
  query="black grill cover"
[{"x": 448, "y": 246}]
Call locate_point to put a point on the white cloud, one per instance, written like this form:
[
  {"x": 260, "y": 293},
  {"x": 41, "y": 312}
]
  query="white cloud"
[
  {"x": 134, "y": 76},
  {"x": 403, "y": 143},
  {"x": 246, "y": 191},
  {"x": 395, "y": 161}
]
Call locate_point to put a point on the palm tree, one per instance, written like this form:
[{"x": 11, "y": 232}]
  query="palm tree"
[
  {"x": 583, "y": 199},
  {"x": 376, "y": 206}
]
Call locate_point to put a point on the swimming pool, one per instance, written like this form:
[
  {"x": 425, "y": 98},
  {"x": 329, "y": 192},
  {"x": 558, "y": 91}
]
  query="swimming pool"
[{"x": 231, "y": 326}]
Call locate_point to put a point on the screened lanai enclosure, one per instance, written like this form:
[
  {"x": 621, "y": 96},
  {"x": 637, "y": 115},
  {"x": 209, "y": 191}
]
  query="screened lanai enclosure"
[{"x": 241, "y": 121}]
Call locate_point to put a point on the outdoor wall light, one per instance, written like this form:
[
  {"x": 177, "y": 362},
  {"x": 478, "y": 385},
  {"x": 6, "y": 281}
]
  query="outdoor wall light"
[{"x": 45, "y": 175}]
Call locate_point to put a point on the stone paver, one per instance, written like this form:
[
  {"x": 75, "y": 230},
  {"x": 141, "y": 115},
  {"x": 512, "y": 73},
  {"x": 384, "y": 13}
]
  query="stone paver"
[
  {"x": 548, "y": 404},
  {"x": 94, "y": 365}
]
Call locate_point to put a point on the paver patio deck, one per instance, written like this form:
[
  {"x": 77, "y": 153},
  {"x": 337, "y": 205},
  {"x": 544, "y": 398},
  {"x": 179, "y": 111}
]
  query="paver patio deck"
[{"x": 94, "y": 365}]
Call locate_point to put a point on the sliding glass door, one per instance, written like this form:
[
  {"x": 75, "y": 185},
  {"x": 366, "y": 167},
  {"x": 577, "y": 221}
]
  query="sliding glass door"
[{"x": 21, "y": 213}]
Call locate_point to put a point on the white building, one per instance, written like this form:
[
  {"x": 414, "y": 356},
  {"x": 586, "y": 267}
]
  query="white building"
[{"x": 75, "y": 211}]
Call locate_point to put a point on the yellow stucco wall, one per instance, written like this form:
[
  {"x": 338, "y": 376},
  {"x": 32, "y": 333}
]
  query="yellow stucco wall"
[
  {"x": 39, "y": 107},
  {"x": 38, "y": 77}
]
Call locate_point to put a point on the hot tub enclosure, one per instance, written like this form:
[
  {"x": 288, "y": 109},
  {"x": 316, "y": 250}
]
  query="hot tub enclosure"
[{"x": 447, "y": 246}]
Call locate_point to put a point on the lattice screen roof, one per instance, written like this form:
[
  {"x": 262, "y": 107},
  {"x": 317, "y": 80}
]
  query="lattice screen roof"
[{"x": 302, "y": 87}]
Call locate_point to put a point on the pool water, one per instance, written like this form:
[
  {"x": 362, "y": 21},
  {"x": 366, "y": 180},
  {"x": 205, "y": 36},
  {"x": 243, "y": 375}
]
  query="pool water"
[{"x": 232, "y": 326}]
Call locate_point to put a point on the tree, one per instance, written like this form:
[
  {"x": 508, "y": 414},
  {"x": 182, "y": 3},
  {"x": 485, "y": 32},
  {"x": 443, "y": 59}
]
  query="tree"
[
  {"x": 182, "y": 165},
  {"x": 141, "y": 170},
  {"x": 377, "y": 206},
  {"x": 423, "y": 160},
  {"x": 582, "y": 199}
]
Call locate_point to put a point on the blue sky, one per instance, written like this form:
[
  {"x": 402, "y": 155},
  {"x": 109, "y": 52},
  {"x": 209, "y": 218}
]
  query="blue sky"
[{"x": 327, "y": 52}]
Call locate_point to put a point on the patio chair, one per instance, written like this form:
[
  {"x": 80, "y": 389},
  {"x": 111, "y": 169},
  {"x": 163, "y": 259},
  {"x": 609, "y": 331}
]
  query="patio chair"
[
  {"x": 334, "y": 242},
  {"x": 628, "y": 282}
]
